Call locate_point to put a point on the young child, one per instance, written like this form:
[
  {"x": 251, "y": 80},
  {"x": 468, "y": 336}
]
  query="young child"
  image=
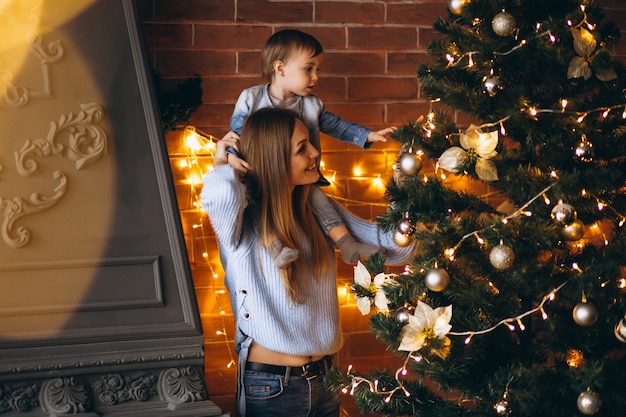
[{"x": 290, "y": 60}]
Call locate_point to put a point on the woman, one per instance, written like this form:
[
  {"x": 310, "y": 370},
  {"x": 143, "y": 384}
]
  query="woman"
[{"x": 287, "y": 319}]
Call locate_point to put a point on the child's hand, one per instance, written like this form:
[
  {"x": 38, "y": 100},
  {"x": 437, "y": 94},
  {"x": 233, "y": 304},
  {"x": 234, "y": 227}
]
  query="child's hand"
[
  {"x": 227, "y": 153},
  {"x": 381, "y": 135}
]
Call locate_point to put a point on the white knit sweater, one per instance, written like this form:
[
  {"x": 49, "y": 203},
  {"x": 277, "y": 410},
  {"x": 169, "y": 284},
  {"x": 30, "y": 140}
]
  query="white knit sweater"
[{"x": 262, "y": 308}]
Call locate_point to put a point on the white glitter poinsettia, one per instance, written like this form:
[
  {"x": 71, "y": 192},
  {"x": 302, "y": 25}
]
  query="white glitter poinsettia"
[
  {"x": 363, "y": 278},
  {"x": 476, "y": 146},
  {"x": 425, "y": 324}
]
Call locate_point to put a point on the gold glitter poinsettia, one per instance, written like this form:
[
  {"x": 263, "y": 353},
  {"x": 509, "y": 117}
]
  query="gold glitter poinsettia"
[
  {"x": 478, "y": 147},
  {"x": 585, "y": 45},
  {"x": 426, "y": 325},
  {"x": 363, "y": 279}
]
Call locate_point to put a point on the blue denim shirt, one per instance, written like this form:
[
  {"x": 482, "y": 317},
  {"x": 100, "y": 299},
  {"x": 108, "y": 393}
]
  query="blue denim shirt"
[{"x": 311, "y": 111}]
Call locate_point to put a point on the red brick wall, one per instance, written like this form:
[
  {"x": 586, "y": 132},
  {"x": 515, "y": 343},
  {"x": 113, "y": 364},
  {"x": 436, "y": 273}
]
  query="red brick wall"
[{"x": 372, "y": 51}]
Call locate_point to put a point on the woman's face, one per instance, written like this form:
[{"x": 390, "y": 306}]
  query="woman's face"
[{"x": 303, "y": 160}]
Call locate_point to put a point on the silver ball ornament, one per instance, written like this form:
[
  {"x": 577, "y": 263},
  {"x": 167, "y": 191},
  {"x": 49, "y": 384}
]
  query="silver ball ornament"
[
  {"x": 410, "y": 163},
  {"x": 585, "y": 314},
  {"x": 589, "y": 402},
  {"x": 406, "y": 225},
  {"x": 583, "y": 152},
  {"x": 563, "y": 213},
  {"x": 620, "y": 330},
  {"x": 437, "y": 279},
  {"x": 402, "y": 315},
  {"x": 573, "y": 231},
  {"x": 456, "y": 6},
  {"x": 503, "y": 24},
  {"x": 401, "y": 239},
  {"x": 491, "y": 85},
  {"x": 502, "y": 408},
  {"x": 501, "y": 257}
]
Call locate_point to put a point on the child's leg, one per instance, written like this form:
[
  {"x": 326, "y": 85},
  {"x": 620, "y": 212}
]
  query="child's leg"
[
  {"x": 351, "y": 249},
  {"x": 282, "y": 255}
]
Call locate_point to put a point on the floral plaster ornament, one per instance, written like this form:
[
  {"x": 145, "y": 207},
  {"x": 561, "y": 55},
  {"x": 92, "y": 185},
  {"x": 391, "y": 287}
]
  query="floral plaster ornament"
[
  {"x": 363, "y": 279},
  {"x": 476, "y": 147},
  {"x": 585, "y": 46}
]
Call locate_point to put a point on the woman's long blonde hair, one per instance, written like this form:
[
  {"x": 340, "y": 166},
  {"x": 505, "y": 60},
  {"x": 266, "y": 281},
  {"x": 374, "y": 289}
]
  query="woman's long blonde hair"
[{"x": 273, "y": 208}]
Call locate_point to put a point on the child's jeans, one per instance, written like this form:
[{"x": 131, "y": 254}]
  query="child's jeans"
[{"x": 324, "y": 209}]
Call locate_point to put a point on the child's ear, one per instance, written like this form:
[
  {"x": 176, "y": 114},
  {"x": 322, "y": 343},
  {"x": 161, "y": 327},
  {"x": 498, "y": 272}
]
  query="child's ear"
[{"x": 279, "y": 68}]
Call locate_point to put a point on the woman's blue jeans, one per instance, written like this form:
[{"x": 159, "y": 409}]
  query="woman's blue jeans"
[{"x": 269, "y": 395}]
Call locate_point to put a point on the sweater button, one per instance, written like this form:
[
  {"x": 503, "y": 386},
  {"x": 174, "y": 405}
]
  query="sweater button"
[{"x": 247, "y": 315}]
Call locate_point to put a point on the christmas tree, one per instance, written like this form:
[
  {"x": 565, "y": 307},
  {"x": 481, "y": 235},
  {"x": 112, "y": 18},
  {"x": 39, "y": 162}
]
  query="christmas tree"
[{"x": 515, "y": 308}]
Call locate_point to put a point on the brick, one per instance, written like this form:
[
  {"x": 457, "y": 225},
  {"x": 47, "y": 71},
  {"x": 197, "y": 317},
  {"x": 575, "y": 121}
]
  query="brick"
[
  {"x": 405, "y": 63},
  {"x": 230, "y": 37},
  {"x": 399, "y": 114},
  {"x": 213, "y": 119},
  {"x": 378, "y": 38},
  {"x": 167, "y": 35},
  {"x": 249, "y": 63},
  {"x": 274, "y": 11},
  {"x": 194, "y": 62},
  {"x": 369, "y": 115},
  {"x": 217, "y": 10},
  {"x": 331, "y": 88},
  {"x": 225, "y": 89},
  {"x": 348, "y": 12},
  {"x": 380, "y": 88},
  {"x": 421, "y": 14},
  {"x": 351, "y": 63}
]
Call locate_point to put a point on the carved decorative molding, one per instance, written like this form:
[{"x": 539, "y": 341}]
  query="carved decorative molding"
[
  {"x": 86, "y": 144},
  {"x": 109, "y": 393},
  {"x": 181, "y": 385},
  {"x": 65, "y": 395},
  {"x": 19, "y": 95}
]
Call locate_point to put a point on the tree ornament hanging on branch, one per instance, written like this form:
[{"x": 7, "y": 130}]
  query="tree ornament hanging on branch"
[
  {"x": 492, "y": 85},
  {"x": 589, "y": 402},
  {"x": 437, "y": 279},
  {"x": 502, "y": 408},
  {"x": 585, "y": 314},
  {"x": 563, "y": 213},
  {"x": 503, "y": 24},
  {"x": 620, "y": 330},
  {"x": 410, "y": 163},
  {"x": 573, "y": 231},
  {"x": 456, "y": 6},
  {"x": 583, "y": 152},
  {"x": 501, "y": 256}
]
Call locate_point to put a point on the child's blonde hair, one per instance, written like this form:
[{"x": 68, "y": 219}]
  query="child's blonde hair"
[
  {"x": 273, "y": 208},
  {"x": 282, "y": 44}
]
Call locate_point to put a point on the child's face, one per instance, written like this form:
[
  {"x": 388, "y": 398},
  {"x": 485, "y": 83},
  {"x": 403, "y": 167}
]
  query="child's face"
[
  {"x": 299, "y": 74},
  {"x": 303, "y": 157}
]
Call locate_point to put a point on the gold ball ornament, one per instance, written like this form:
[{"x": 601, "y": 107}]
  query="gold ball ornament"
[
  {"x": 410, "y": 163},
  {"x": 456, "y": 6},
  {"x": 501, "y": 257},
  {"x": 401, "y": 239},
  {"x": 589, "y": 402},
  {"x": 563, "y": 213},
  {"x": 573, "y": 231},
  {"x": 437, "y": 279},
  {"x": 585, "y": 314},
  {"x": 620, "y": 330},
  {"x": 503, "y": 24}
]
